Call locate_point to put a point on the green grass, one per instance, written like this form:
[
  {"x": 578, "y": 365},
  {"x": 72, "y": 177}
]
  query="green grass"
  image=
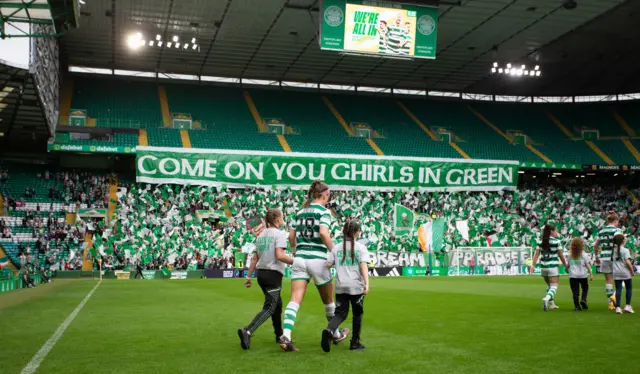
[{"x": 434, "y": 325}]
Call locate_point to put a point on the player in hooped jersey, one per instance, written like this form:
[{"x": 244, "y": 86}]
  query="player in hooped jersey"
[
  {"x": 311, "y": 241},
  {"x": 605, "y": 244},
  {"x": 270, "y": 261},
  {"x": 549, "y": 253}
]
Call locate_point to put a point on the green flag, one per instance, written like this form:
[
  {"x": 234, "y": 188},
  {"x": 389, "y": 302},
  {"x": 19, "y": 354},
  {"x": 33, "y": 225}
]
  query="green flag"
[
  {"x": 166, "y": 272},
  {"x": 403, "y": 218}
]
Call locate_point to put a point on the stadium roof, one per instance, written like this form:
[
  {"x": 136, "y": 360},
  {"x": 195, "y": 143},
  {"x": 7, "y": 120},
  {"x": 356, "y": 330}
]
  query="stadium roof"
[
  {"x": 21, "y": 117},
  {"x": 587, "y": 50}
]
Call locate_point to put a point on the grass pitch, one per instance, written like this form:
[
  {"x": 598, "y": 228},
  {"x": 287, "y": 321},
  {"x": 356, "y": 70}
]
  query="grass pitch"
[{"x": 435, "y": 325}]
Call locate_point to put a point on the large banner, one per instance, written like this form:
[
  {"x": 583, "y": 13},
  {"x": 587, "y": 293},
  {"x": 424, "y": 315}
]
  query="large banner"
[
  {"x": 237, "y": 169},
  {"x": 377, "y": 27},
  {"x": 394, "y": 259}
]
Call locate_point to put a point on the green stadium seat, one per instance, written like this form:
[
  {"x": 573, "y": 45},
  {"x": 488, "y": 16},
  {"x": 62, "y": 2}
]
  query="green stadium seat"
[
  {"x": 547, "y": 137},
  {"x": 226, "y": 120},
  {"x": 595, "y": 116},
  {"x": 319, "y": 130},
  {"x": 401, "y": 136},
  {"x": 118, "y": 103},
  {"x": 164, "y": 137},
  {"x": 477, "y": 139}
]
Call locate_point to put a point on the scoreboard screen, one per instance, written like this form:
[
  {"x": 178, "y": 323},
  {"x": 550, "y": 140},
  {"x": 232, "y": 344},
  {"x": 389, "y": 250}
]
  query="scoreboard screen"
[{"x": 379, "y": 28}]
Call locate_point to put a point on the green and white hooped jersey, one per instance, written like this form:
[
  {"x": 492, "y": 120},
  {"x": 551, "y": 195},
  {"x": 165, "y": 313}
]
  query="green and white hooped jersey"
[
  {"x": 307, "y": 226},
  {"x": 550, "y": 259},
  {"x": 395, "y": 38},
  {"x": 382, "y": 42},
  {"x": 605, "y": 237},
  {"x": 406, "y": 48}
]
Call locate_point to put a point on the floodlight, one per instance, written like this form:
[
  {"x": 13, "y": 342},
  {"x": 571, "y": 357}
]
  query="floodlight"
[
  {"x": 160, "y": 43},
  {"x": 526, "y": 72},
  {"x": 175, "y": 38},
  {"x": 193, "y": 40},
  {"x": 186, "y": 45},
  {"x": 538, "y": 73},
  {"x": 508, "y": 66},
  {"x": 495, "y": 64},
  {"x": 500, "y": 70},
  {"x": 133, "y": 40},
  {"x": 169, "y": 45},
  {"x": 158, "y": 37},
  {"x": 514, "y": 72},
  {"x": 537, "y": 67},
  {"x": 523, "y": 67},
  {"x": 519, "y": 72},
  {"x": 195, "y": 46},
  {"x": 150, "y": 43},
  {"x": 493, "y": 70},
  {"x": 177, "y": 45},
  {"x": 506, "y": 71},
  {"x": 82, "y": 2},
  {"x": 142, "y": 43}
]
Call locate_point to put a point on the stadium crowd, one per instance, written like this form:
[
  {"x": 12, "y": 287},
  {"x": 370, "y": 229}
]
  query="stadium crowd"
[{"x": 160, "y": 225}]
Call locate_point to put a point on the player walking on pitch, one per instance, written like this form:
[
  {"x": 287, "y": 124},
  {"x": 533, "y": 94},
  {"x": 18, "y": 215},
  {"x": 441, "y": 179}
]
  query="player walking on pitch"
[
  {"x": 270, "y": 261},
  {"x": 550, "y": 254},
  {"x": 311, "y": 241},
  {"x": 352, "y": 283},
  {"x": 605, "y": 244}
]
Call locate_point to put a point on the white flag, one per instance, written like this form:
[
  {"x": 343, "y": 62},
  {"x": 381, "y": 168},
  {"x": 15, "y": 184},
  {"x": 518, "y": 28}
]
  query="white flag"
[{"x": 463, "y": 228}]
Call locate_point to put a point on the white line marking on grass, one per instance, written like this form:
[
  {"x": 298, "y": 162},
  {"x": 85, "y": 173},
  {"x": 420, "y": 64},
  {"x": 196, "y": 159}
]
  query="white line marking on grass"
[{"x": 35, "y": 362}]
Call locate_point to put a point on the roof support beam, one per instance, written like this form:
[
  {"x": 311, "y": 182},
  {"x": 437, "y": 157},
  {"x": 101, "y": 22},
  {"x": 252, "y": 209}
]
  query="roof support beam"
[
  {"x": 23, "y": 5},
  {"x": 215, "y": 36},
  {"x": 264, "y": 37},
  {"x": 164, "y": 35},
  {"x": 16, "y": 109}
]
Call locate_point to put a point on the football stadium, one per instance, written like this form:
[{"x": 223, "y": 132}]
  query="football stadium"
[{"x": 319, "y": 186}]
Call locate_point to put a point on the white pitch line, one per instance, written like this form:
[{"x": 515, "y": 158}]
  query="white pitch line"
[{"x": 35, "y": 362}]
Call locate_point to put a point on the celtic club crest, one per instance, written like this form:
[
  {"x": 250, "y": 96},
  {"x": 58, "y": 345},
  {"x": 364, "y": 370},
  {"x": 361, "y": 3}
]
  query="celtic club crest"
[
  {"x": 426, "y": 25},
  {"x": 333, "y": 16}
]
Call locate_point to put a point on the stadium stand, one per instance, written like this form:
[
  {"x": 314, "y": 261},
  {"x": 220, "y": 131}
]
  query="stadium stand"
[
  {"x": 226, "y": 120},
  {"x": 158, "y": 224},
  {"x": 164, "y": 137},
  {"x": 319, "y": 130},
  {"x": 481, "y": 130},
  {"x": 117, "y": 103}
]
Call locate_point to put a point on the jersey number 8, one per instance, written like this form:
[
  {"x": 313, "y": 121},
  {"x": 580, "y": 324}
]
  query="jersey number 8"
[{"x": 306, "y": 227}]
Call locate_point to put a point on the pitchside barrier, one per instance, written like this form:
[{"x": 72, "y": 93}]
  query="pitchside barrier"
[{"x": 14, "y": 282}]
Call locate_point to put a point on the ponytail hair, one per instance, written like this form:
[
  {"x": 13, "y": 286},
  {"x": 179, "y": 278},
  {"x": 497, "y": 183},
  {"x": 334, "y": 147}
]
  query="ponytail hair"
[
  {"x": 350, "y": 230},
  {"x": 315, "y": 191},
  {"x": 272, "y": 216},
  {"x": 612, "y": 216},
  {"x": 546, "y": 235},
  {"x": 617, "y": 242}
]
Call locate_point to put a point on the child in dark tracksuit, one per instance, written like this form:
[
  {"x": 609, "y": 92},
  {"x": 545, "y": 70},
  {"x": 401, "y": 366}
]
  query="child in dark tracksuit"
[
  {"x": 579, "y": 269},
  {"x": 352, "y": 283}
]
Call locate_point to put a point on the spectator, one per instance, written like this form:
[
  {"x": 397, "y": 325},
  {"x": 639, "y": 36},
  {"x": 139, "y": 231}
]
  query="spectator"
[{"x": 27, "y": 282}]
